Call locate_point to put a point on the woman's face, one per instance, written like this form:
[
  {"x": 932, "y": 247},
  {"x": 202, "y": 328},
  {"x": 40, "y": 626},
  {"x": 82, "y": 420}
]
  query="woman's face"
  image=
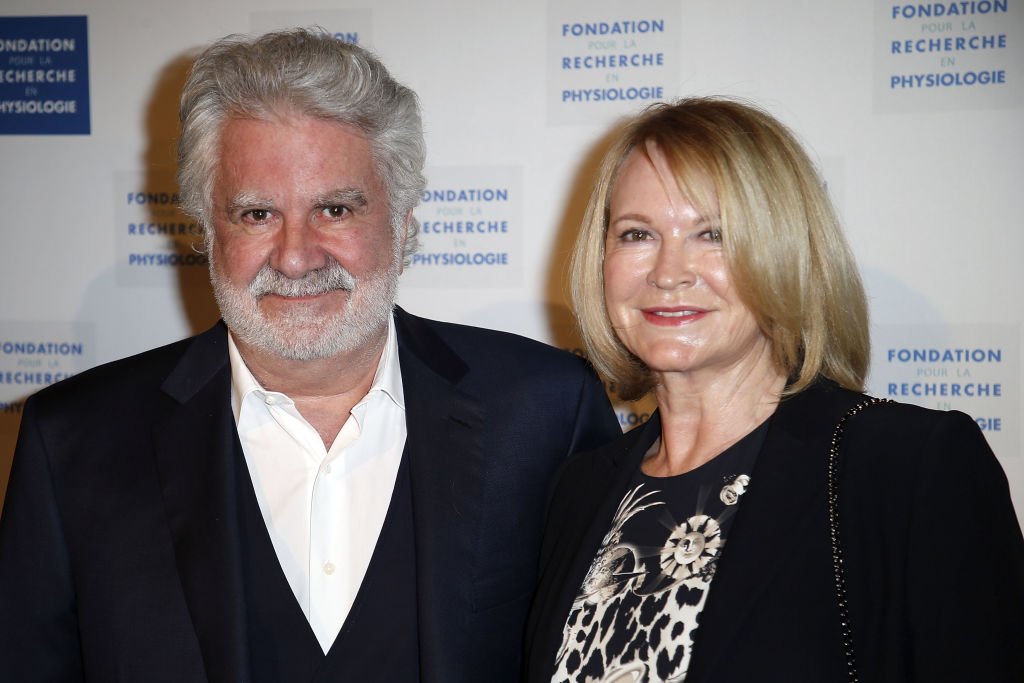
[{"x": 667, "y": 289}]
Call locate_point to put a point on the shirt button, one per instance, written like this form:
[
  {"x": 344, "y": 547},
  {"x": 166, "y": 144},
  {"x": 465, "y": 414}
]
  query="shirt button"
[
  {"x": 270, "y": 400},
  {"x": 328, "y": 568},
  {"x": 327, "y": 468}
]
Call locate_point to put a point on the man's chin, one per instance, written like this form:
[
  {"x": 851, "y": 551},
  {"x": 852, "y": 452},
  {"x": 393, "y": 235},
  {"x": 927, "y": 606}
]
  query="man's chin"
[
  {"x": 295, "y": 343},
  {"x": 306, "y": 340},
  {"x": 300, "y": 308}
]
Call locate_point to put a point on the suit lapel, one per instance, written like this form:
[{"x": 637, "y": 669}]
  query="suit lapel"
[
  {"x": 444, "y": 449},
  {"x": 786, "y": 495},
  {"x": 196, "y": 447}
]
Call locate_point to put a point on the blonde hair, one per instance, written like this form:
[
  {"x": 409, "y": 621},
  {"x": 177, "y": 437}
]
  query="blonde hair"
[{"x": 782, "y": 242}]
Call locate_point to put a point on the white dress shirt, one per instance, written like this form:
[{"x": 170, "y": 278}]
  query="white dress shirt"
[{"x": 324, "y": 509}]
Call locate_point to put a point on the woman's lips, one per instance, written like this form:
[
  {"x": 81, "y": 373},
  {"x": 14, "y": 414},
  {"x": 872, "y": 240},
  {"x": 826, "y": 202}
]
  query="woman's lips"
[{"x": 676, "y": 315}]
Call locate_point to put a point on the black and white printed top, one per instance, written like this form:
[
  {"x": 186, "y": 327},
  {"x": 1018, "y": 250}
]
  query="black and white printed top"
[{"x": 635, "y": 618}]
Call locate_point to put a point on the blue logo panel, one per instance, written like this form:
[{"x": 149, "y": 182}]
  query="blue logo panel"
[{"x": 44, "y": 76}]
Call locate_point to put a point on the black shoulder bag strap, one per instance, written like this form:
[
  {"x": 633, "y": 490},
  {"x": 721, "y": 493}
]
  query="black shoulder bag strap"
[{"x": 837, "y": 547}]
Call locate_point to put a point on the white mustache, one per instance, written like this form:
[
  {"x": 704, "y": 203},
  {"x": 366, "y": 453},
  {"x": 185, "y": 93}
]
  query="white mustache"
[{"x": 330, "y": 277}]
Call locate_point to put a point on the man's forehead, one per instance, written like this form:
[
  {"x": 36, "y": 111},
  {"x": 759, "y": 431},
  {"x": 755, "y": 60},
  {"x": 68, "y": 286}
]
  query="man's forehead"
[
  {"x": 290, "y": 118},
  {"x": 329, "y": 158}
]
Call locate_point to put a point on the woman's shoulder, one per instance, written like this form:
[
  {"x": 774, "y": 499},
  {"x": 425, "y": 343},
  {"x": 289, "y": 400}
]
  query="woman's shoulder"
[
  {"x": 903, "y": 427},
  {"x": 878, "y": 419},
  {"x": 908, "y": 447},
  {"x": 881, "y": 434},
  {"x": 617, "y": 453},
  {"x": 585, "y": 478}
]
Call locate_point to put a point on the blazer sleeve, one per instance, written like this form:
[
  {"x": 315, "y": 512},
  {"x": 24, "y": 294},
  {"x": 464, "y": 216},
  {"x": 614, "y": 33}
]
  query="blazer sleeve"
[
  {"x": 596, "y": 423},
  {"x": 965, "y": 558},
  {"x": 38, "y": 625}
]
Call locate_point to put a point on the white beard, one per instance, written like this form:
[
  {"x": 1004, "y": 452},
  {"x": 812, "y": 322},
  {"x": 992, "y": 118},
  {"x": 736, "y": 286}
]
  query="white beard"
[{"x": 303, "y": 332}]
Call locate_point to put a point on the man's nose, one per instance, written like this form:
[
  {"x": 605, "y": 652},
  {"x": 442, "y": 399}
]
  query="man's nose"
[{"x": 298, "y": 249}]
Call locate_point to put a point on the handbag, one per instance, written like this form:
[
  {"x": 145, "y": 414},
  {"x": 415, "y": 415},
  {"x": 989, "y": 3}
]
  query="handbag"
[{"x": 834, "y": 462}]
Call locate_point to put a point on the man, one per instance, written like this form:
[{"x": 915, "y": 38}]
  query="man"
[{"x": 333, "y": 490}]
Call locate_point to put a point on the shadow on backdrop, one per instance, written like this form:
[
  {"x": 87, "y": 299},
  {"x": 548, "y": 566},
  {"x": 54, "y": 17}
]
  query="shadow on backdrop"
[
  {"x": 160, "y": 161},
  {"x": 128, "y": 317},
  {"x": 562, "y": 327}
]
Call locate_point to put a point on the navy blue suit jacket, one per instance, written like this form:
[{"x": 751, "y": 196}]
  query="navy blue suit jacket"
[
  {"x": 933, "y": 552},
  {"x": 119, "y": 542}
]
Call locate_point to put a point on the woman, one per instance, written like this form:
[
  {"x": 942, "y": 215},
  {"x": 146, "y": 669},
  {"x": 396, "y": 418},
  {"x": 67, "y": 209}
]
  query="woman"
[{"x": 711, "y": 269}]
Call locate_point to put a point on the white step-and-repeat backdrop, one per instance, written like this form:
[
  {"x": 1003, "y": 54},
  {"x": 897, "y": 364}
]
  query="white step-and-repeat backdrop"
[{"x": 912, "y": 110}]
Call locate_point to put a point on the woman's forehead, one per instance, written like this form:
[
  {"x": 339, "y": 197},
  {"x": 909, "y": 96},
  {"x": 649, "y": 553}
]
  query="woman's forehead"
[{"x": 675, "y": 175}]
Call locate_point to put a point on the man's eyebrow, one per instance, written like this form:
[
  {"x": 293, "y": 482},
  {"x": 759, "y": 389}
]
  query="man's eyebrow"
[
  {"x": 348, "y": 196},
  {"x": 245, "y": 200}
]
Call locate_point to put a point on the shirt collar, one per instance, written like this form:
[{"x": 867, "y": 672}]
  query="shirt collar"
[
  {"x": 387, "y": 379},
  {"x": 389, "y": 374}
]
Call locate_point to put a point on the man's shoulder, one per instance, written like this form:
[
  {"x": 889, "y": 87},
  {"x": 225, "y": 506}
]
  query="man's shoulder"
[
  {"x": 127, "y": 376},
  {"x": 485, "y": 344}
]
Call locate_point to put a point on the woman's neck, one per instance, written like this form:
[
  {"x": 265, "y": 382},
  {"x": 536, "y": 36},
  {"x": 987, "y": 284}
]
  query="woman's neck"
[{"x": 701, "y": 416}]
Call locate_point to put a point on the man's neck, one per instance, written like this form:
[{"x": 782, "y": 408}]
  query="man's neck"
[{"x": 325, "y": 389}]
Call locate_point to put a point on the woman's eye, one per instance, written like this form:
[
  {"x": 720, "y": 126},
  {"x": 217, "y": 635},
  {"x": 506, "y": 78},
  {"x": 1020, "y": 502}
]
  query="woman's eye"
[
  {"x": 634, "y": 235},
  {"x": 712, "y": 235}
]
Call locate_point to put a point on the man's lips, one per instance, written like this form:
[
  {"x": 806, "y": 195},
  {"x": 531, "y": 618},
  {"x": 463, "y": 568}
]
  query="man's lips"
[
  {"x": 674, "y": 315},
  {"x": 300, "y": 298}
]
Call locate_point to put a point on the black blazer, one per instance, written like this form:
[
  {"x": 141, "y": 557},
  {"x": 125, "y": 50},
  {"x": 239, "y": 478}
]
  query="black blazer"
[
  {"x": 934, "y": 553},
  {"x": 119, "y": 542}
]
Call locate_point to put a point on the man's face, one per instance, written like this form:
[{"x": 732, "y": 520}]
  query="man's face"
[{"x": 304, "y": 261}]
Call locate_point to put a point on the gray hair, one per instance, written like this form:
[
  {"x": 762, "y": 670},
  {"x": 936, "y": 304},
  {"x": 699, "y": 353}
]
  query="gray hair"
[{"x": 304, "y": 72}]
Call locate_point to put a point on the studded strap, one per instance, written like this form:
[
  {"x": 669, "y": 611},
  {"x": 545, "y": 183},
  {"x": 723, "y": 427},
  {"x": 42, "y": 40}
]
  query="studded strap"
[{"x": 846, "y": 631}]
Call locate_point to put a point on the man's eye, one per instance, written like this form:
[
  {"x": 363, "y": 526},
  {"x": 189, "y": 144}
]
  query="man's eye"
[
  {"x": 256, "y": 215},
  {"x": 335, "y": 211}
]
